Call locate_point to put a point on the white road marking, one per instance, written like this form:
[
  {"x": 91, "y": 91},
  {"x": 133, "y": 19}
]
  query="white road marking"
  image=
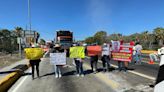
[
  {"x": 18, "y": 86},
  {"x": 21, "y": 82},
  {"x": 136, "y": 73}
]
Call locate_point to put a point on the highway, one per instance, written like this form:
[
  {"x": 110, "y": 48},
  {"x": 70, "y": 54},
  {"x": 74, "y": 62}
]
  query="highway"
[{"x": 113, "y": 81}]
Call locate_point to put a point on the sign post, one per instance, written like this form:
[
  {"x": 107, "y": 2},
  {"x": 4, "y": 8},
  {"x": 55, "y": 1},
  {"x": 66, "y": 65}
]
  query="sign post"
[{"x": 19, "y": 42}]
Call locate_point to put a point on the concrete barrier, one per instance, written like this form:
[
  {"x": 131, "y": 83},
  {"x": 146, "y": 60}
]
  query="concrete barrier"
[{"x": 11, "y": 78}]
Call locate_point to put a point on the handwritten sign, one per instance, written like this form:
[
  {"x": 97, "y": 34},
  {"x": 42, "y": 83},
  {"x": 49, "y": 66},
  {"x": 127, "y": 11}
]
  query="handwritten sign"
[
  {"x": 34, "y": 53},
  {"x": 58, "y": 58}
]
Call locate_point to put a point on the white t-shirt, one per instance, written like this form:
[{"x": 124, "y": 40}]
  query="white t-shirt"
[
  {"x": 106, "y": 50},
  {"x": 138, "y": 49}
]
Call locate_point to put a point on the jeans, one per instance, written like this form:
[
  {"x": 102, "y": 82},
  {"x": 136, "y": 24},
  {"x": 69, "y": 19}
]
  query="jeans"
[
  {"x": 121, "y": 66},
  {"x": 106, "y": 60},
  {"x": 137, "y": 58},
  {"x": 57, "y": 69},
  {"x": 93, "y": 62},
  {"x": 34, "y": 63},
  {"x": 79, "y": 67}
]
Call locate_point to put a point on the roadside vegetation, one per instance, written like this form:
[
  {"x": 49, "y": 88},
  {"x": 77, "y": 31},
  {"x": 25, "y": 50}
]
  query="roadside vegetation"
[
  {"x": 150, "y": 40},
  {"x": 9, "y": 47}
]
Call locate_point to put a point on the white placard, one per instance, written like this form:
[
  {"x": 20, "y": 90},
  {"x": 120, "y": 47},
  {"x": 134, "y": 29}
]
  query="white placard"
[{"x": 58, "y": 58}]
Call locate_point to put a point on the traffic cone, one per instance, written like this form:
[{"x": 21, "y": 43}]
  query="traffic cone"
[{"x": 151, "y": 62}]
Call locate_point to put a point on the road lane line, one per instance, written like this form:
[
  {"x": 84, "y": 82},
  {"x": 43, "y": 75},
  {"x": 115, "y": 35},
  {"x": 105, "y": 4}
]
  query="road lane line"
[
  {"x": 105, "y": 79},
  {"x": 136, "y": 73},
  {"x": 21, "y": 82}
]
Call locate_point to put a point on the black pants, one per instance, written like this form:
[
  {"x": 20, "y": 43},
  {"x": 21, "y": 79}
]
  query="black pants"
[
  {"x": 79, "y": 67},
  {"x": 94, "y": 60},
  {"x": 106, "y": 60},
  {"x": 121, "y": 66},
  {"x": 34, "y": 63}
]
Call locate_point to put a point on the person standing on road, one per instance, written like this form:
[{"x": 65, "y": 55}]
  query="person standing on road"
[
  {"x": 106, "y": 56},
  {"x": 57, "y": 68},
  {"x": 138, "y": 49},
  {"x": 33, "y": 63},
  {"x": 93, "y": 62},
  {"x": 79, "y": 65}
]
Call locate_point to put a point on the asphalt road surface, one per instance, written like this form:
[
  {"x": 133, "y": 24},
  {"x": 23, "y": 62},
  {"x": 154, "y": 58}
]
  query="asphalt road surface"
[
  {"x": 132, "y": 81},
  {"x": 67, "y": 83}
]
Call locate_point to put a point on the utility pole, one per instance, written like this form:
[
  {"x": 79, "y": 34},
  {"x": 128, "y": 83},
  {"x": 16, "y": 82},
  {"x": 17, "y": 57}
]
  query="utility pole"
[
  {"x": 29, "y": 19},
  {"x": 29, "y": 15}
]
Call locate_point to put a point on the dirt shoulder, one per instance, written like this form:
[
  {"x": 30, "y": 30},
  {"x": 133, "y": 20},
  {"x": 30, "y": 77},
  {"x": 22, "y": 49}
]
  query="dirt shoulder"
[{"x": 6, "y": 60}]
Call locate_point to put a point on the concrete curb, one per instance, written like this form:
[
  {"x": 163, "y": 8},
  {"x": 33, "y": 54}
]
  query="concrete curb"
[{"x": 11, "y": 78}]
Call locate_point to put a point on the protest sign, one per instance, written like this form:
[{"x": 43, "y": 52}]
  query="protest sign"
[
  {"x": 77, "y": 52},
  {"x": 58, "y": 58},
  {"x": 34, "y": 53},
  {"x": 124, "y": 53},
  {"x": 94, "y": 50}
]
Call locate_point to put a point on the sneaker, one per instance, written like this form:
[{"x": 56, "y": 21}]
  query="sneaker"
[
  {"x": 82, "y": 75},
  {"x": 56, "y": 76},
  {"x": 77, "y": 75},
  {"x": 60, "y": 75}
]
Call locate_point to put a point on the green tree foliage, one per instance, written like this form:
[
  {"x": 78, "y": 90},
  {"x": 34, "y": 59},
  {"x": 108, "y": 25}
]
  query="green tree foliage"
[
  {"x": 89, "y": 40},
  {"x": 8, "y": 40},
  {"x": 100, "y": 37},
  {"x": 149, "y": 40},
  {"x": 159, "y": 33}
]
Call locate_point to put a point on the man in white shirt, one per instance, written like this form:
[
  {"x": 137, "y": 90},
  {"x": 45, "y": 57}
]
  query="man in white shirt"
[{"x": 106, "y": 55}]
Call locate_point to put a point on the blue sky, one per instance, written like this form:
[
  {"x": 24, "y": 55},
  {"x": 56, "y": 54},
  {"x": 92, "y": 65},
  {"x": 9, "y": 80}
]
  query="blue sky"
[{"x": 83, "y": 17}]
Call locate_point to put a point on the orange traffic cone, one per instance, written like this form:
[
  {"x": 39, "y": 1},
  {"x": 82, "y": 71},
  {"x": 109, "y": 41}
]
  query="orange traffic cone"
[{"x": 151, "y": 62}]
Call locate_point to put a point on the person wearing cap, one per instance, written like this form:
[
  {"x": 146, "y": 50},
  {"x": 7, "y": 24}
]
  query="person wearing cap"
[
  {"x": 79, "y": 65},
  {"x": 57, "y": 68},
  {"x": 34, "y": 63}
]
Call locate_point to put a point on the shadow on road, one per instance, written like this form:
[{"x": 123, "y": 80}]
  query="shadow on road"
[
  {"x": 69, "y": 73},
  {"x": 48, "y": 74}
]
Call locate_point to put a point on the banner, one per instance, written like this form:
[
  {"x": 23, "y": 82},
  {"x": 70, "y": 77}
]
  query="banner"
[
  {"x": 34, "y": 53},
  {"x": 58, "y": 58},
  {"x": 124, "y": 53},
  {"x": 77, "y": 52},
  {"x": 94, "y": 50}
]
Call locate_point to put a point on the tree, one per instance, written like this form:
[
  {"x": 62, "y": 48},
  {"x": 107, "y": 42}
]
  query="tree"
[
  {"x": 42, "y": 42},
  {"x": 100, "y": 37},
  {"x": 6, "y": 40},
  {"x": 159, "y": 33},
  {"x": 89, "y": 40}
]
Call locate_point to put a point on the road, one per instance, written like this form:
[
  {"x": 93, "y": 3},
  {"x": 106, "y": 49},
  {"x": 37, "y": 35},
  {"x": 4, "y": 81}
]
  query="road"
[
  {"x": 113, "y": 81},
  {"x": 68, "y": 83}
]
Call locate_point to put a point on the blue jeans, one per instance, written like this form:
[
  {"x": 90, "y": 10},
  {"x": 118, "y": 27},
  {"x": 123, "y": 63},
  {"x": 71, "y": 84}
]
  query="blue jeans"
[
  {"x": 57, "y": 69},
  {"x": 121, "y": 66},
  {"x": 138, "y": 58}
]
